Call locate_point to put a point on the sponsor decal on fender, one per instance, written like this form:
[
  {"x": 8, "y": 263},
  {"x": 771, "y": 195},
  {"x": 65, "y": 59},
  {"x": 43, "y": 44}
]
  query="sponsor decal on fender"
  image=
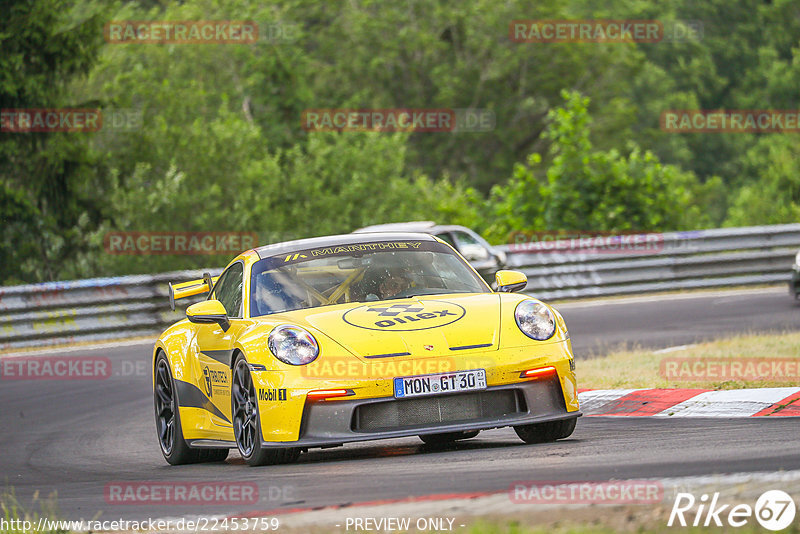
[
  {"x": 271, "y": 394},
  {"x": 404, "y": 317},
  {"x": 214, "y": 379}
]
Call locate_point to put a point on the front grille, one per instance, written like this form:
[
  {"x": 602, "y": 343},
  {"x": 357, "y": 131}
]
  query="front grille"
[{"x": 425, "y": 411}]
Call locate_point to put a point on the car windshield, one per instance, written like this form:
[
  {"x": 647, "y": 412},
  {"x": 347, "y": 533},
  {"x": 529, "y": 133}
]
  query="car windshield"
[{"x": 361, "y": 272}]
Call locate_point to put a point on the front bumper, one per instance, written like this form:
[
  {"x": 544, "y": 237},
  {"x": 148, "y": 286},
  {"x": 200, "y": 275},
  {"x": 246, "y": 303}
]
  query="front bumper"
[
  {"x": 794, "y": 284},
  {"x": 335, "y": 422}
]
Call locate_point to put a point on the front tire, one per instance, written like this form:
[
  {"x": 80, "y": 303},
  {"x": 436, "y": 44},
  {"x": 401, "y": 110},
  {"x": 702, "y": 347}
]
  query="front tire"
[
  {"x": 546, "y": 432},
  {"x": 247, "y": 423}
]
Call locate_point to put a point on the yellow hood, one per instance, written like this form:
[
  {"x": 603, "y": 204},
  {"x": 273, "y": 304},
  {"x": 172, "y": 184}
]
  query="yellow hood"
[{"x": 435, "y": 325}]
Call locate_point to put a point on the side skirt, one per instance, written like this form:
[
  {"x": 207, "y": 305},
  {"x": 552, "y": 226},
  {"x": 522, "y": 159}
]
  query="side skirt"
[{"x": 210, "y": 444}]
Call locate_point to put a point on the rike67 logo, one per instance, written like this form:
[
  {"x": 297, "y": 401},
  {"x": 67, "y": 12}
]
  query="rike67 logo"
[{"x": 774, "y": 510}]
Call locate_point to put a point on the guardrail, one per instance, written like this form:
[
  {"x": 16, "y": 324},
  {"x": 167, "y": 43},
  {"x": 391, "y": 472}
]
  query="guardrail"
[
  {"x": 673, "y": 261},
  {"x": 103, "y": 308},
  {"x": 89, "y": 310}
]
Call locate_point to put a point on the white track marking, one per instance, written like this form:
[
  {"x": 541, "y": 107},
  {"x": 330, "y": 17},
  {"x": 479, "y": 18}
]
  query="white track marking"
[
  {"x": 676, "y": 348},
  {"x": 594, "y": 399},
  {"x": 728, "y": 403}
]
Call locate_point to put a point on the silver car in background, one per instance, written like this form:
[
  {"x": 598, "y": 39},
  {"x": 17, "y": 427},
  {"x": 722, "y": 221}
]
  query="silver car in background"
[{"x": 485, "y": 258}]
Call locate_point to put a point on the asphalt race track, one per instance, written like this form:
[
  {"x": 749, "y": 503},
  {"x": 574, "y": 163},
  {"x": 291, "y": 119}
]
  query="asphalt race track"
[
  {"x": 672, "y": 320},
  {"x": 75, "y": 437}
]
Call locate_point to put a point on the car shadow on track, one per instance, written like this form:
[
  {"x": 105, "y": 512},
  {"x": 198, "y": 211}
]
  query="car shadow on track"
[{"x": 374, "y": 451}]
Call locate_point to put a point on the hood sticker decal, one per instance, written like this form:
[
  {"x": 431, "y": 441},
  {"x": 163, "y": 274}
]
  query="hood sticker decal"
[{"x": 405, "y": 317}]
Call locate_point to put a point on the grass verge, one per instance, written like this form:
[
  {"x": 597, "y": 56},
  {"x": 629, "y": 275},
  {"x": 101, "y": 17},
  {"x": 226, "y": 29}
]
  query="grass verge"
[
  {"x": 13, "y": 513},
  {"x": 644, "y": 368}
]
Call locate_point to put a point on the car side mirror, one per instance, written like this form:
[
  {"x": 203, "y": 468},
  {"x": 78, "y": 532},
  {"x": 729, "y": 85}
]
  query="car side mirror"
[
  {"x": 208, "y": 312},
  {"x": 510, "y": 281}
]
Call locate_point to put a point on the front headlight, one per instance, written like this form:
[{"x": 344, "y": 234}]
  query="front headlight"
[
  {"x": 535, "y": 320},
  {"x": 293, "y": 345}
]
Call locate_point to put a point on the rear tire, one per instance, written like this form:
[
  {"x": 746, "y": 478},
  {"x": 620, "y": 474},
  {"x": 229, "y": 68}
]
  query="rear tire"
[
  {"x": 168, "y": 417},
  {"x": 546, "y": 432},
  {"x": 247, "y": 423},
  {"x": 445, "y": 438}
]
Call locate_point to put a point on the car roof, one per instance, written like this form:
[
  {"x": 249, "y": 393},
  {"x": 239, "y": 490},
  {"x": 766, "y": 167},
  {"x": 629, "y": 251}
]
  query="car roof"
[{"x": 337, "y": 240}]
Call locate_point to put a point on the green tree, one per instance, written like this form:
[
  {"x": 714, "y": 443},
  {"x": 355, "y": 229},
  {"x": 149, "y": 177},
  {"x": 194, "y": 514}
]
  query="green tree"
[
  {"x": 588, "y": 189},
  {"x": 51, "y": 184},
  {"x": 773, "y": 196}
]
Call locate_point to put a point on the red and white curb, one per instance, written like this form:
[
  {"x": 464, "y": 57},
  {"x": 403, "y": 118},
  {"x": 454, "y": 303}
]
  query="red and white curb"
[{"x": 691, "y": 402}]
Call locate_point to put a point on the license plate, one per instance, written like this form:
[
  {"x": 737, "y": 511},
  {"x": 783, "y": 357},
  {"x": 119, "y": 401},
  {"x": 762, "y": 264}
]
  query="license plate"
[{"x": 418, "y": 386}]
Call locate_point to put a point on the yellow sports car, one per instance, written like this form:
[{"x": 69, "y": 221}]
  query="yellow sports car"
[{"x": 324, "y": 341}]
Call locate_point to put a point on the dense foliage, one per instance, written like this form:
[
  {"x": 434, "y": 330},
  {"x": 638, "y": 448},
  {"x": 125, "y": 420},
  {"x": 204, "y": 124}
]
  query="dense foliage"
[{"x": 576, "y": 142}]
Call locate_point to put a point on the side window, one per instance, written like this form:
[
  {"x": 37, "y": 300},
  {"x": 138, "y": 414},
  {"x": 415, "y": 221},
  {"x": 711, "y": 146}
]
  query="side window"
[
  {"x": 229, "y": 290},
  {"x": 470, "y": 247}
]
